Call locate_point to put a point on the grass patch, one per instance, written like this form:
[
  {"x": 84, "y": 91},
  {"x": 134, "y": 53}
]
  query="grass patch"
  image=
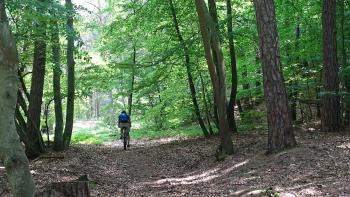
[
  {"x": 252, "y": 121},
  {"x": 192, "y": 131},
  {"x": 96, "y": 135},
  {"x": 101, "y": 134}
]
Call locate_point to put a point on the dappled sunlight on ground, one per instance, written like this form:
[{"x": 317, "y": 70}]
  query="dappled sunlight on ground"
[
  {"x": 319, "y": 166},
  {"x": 198, "y": 178},
  {"x": 345, "y": 146}
]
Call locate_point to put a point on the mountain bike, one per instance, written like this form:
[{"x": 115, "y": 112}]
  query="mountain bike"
[
  {"x": 125, "y": 128},
  {"x": 125, "y": 137}
]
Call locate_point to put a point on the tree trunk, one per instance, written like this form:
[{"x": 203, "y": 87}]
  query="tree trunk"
[
  {"x": 281, "y": 133},
  {"x": 23, "y": 87},
  {"x": 70, "y": 72},
  {"x": 188, "y": 69},
  {"x": 217, "y": 72},
  {"x": 294, "y": 95},
  {"x": 346, "y": 78},
  {"x": 246, "y": 100},
  {"x": 214, "y": 16},
  {"x": 56, "y": 56},
  {"x": 47, "y": 113},
  {"x": 112, "y": 110},
  {"x": 330, "y": 116},
  {"x": 234, "y": 81},
  {"x": 207, "y": 110},
  {"x": 97, "y": 102},
  {"x": 37, "y": 88},
  {"x": 132, "y": 81},
  {"x": 11, "y": 150}
]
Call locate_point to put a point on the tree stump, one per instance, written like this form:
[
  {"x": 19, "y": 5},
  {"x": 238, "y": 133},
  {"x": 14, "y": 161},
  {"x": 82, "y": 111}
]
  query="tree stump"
[{"x": 78, "y": 188}]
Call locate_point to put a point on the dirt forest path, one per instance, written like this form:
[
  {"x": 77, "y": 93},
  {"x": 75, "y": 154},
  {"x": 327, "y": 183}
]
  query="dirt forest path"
[{"x": 319, "y": 166}]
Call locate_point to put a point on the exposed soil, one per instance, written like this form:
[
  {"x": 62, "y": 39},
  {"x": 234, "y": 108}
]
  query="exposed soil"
[{"x": 319, "y": 166}]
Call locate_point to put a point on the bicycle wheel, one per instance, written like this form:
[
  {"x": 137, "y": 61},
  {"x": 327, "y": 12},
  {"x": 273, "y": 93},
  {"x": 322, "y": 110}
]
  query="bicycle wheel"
[{"x": 125, "y": 137}]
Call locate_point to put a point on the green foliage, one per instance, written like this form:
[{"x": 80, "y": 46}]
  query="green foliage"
[
  {"x": 125, "y": 39},
  {"x": 270, "y": 193},
  {"x": 252, "y": 120},
  {"x": 101, "y": 134},
  {"x": 179, "y": 132},
  {"x": 97, "y": 135}
]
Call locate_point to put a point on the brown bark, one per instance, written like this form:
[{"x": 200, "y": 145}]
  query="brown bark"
[
  {"x": 206, "y": 107},
  {"x": 346, "y": 77},
  {"x": 56, "y": 56},
  {"x": 217, "y": 72},
  {"x": 37, "y": 89},
  {"x": 294, "y": 94},
  {"x": 234, "y": 81},
  {"x": 330, "y": 116},
  {"x": 130, "y": 101},
  {"x": 11, "y": 151},
  {"x": 279, "y": 122},
  {"x": 71, "y": 75}
]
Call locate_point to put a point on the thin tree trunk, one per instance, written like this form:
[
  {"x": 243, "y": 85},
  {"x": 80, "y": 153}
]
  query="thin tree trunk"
[
  {"x": 330, "y": 116},
  {"x": 11, "y": 150},
  {"x": 23, "y": 86},
  {"x": 294, "y": 96},
  {"x": 132, "y": 81},
  {"x": 217, "y": 72},
  {"x": 281, "y": 133},
  {"x": 214, "y": 16},
  {"x": 234, "y": 81},
  {"x": 47, "y": 129},
  {"x": 239, "y": 105},
  {"x": 37, "y": 89},
  {"x": 97, "y": 105},
  {"x": 188, "y": 69},
  {"x": 207, "y": 111},
  {"x": 22, "y": 103},
  {"x": 56, "y": 56},
  {"x": 71, "y": 78},
  {"x": 112, "y": 111},
  {"x": 246, "y": 100},
  {"x": 344, "y": 63}
]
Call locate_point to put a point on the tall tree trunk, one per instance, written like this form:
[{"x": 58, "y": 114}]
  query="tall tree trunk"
[
  {"x": 188, "y": 69},
  {"x": 56, "y": 56},
  {"x": 281, "y": 133},
  {"x": 11, "y": 150},
  {"x": 37, "y": 88},
  {"x": 97, "y": 102},
  {"x": 206, "y": 107},
  {"x": 294, "y": 95},
  {"x": 71, "y": 78},
  {"x": 346, "y": 78},
  {"x": 217, "y": 72},
  {"x": 112, "y": 110},
  {"x": 234, "y": 81},
  {"x": 132, "y": 81},
  {"x": 214, "y": 16},
  {"x": 330, "y": 116},
  {"x": 246, "y": 100}
]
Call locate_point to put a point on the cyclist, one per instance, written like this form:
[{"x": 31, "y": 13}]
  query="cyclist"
[{"x": 124, "y": 122}]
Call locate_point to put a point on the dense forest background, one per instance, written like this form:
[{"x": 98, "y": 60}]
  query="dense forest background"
[{"x": 179, "y": 68}]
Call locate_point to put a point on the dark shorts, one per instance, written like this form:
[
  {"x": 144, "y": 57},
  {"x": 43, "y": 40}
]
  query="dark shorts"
[{"x": 124, "y": 124}]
